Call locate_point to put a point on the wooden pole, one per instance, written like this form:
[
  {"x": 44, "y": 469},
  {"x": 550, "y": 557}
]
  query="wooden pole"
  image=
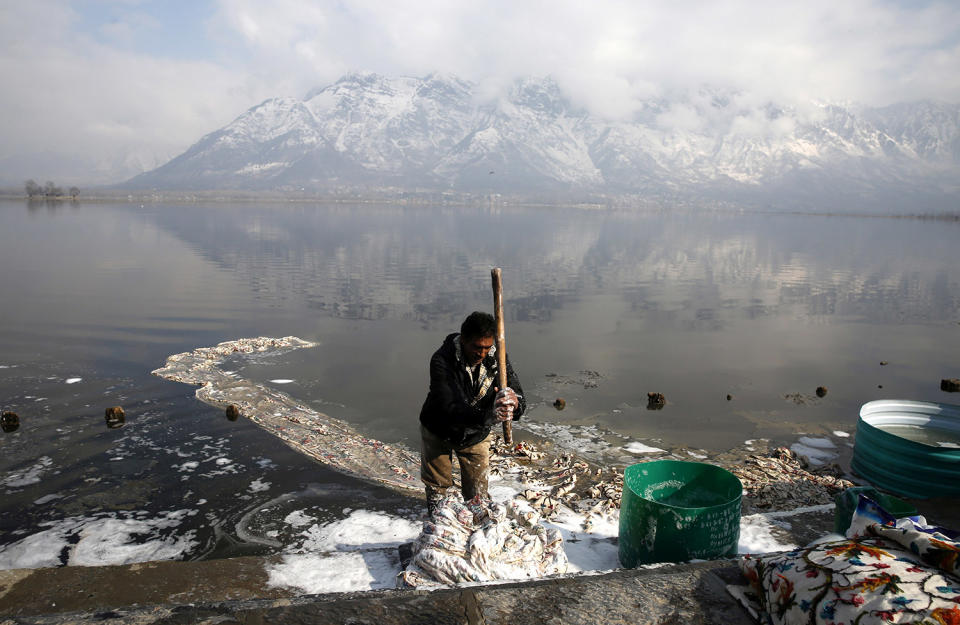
[{"x": 501, "y": 344}]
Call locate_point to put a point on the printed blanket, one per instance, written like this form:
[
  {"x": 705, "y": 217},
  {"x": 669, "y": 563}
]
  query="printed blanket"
[{"x": 886, "y": 571}]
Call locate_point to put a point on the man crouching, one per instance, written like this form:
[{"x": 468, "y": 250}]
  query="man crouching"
[{"x": 462, "y": 406}]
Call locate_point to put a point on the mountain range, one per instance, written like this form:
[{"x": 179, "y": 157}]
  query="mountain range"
[{"x": 368, "y": 132}]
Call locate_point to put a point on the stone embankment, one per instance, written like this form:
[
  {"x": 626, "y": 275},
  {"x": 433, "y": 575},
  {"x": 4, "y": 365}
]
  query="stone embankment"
[{"x": 235, "y": 591}]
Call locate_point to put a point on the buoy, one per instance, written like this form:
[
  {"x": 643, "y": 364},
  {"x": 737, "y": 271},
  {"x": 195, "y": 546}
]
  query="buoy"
[
  {"x": 9, "y": 421},
  {"x": 655, "y": 401},
  {"x": 950, "y": 385},
  {"x": 115, "y": 417},
  {"x": 233, "y": 412}
]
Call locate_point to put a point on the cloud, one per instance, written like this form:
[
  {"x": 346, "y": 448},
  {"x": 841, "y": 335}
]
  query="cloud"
[
  {"x": 610, "y": 54},
  {"x": 101, "y": 91},
  {"x": 66, "y": 92}
]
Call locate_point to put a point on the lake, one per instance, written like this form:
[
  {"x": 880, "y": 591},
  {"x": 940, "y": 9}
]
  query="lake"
[{"x": 601, "y": 308}]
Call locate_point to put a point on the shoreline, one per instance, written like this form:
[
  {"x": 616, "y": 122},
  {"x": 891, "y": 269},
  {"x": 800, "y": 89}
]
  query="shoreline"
[{"x": 468, "y": 201}]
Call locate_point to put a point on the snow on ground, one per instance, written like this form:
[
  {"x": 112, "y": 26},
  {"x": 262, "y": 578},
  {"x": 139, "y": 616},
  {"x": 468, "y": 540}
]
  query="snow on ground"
[
  {"x": 637, "y": 447},
  {"x": 73, "y": 380},
  {"x": 358, "y": 552},
  {"x": 336, "y": 572},
  {"x": 841, "y": 434},
  {"x": 756, "y": 535},
  {"x": 118, "y": 538},
  {"x": 817, "y": 450}
]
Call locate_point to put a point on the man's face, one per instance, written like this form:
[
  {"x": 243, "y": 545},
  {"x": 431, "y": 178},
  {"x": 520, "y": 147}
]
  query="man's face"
[{"x": 475, "y": 348}]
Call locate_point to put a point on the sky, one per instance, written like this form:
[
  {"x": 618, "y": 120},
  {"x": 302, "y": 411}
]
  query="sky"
[{"x": 128, "y": 84}]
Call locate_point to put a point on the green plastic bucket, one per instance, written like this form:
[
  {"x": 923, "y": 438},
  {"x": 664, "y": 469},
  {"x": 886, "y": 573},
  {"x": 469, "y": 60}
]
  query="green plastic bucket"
[
  {"x": 674, "y": 511},
  {"x": 847, "y": 504}
]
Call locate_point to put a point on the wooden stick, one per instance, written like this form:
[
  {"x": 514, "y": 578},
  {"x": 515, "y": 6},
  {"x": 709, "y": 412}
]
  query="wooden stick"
[{"x": 501, "y": 344}]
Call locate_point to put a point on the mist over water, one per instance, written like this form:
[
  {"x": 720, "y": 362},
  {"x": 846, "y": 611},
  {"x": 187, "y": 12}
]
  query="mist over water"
[{"x": 762, "y": 307}]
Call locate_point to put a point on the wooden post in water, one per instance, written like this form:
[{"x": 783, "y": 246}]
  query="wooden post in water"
[{"x": 501, "y": 344}]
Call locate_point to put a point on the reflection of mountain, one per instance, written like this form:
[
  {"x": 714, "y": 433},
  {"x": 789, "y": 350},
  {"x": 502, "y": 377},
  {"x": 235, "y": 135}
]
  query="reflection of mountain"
[{"x": 693, "y": 269}]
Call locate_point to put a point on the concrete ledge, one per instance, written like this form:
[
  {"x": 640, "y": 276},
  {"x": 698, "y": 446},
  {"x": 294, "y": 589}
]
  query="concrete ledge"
[{"x": 234, "y": 591}]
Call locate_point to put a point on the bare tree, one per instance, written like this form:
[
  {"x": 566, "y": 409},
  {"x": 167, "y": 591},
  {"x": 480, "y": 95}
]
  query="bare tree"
[
  {"x": 32, "y": 188},
  {"x": 52, "y": 190},
  {"x": 74, "y": 192}
]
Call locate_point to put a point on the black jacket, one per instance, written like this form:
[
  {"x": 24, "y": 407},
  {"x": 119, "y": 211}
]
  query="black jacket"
[{"x": 447, "y": 412}]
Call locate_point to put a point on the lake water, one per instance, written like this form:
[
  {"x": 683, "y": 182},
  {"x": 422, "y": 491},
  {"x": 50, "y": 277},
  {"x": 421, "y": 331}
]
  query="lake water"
[{"x": 601, "y": 308}]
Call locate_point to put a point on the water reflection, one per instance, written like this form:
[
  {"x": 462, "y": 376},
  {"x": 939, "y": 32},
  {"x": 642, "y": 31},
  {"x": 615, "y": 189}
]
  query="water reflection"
[
  {"x": 693, "y": 270},
  {"x": 695, "y": 306}
]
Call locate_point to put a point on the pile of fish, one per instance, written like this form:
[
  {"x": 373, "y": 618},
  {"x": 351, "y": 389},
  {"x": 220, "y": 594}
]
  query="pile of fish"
[
  {"x": 324, "y": 438},
  {"x": 780, "y": 482},
  {"x": 564, "y": 480}
]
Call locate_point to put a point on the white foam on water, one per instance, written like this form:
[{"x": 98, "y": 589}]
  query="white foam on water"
[
  {"x": 258, "y": 486},
  {"x": 30, "y": 475},
  {"x": 282, "y": 381},
  {"x": 72, "y": 380},
  {"x": 102, "y": 540},
  {"x": 47, "y": 499},
  {"x": 637, "y": 447},
  {"x": 298, "y": 518},
  {"x": 696, "y": 455}
]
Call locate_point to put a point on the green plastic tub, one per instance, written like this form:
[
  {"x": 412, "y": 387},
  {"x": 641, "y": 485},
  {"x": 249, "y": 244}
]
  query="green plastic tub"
[
  {"x": 909, "y": 448},
  {"x": 847, "y": 505},
  {"x": 674, "y": 511}
]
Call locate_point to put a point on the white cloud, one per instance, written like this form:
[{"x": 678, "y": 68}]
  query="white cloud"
[{"x": 98, "y": 92}]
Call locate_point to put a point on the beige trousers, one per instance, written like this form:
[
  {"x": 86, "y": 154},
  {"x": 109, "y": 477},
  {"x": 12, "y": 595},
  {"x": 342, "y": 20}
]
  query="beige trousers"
[{"x": 436, "y": 466}]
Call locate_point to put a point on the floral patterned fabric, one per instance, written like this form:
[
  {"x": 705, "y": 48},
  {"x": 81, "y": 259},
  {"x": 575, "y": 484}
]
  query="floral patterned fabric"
[{"x": 890, "y": 571}]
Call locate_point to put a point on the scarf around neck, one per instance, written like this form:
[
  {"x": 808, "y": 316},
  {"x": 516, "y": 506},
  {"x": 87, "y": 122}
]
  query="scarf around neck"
[{"x": 484, "y": 379}]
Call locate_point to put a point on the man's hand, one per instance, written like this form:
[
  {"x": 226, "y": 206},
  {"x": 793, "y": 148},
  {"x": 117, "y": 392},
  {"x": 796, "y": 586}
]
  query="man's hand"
[{"x": 505, "y": 403}]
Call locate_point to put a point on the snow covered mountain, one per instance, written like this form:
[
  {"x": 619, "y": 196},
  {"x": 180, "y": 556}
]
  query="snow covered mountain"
[{"x": 368, "y": 131}]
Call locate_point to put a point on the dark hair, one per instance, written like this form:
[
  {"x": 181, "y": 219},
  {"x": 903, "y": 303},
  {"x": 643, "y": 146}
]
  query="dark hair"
[{"x": 478, "y": 325}]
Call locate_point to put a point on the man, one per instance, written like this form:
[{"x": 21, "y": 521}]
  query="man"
[{"x": 462, "y": 406}]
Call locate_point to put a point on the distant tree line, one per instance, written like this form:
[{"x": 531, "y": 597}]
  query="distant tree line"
[{"x": 49, "y": 190}]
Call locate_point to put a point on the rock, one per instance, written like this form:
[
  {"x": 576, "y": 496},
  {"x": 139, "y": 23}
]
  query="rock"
[
  {"x": 559, "y": 404},
  {"x": 655, "y": 401},
  {"x": 821, "y": 391},
  {"x": 9, "y": 421},
  {"x": 729, "y": 397},
  {"x": 115, "y": 417},
  {"x": 950, "y": 385},
  {"x": 233, "y": 412},
  {"x": 883, "y": 363}
]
